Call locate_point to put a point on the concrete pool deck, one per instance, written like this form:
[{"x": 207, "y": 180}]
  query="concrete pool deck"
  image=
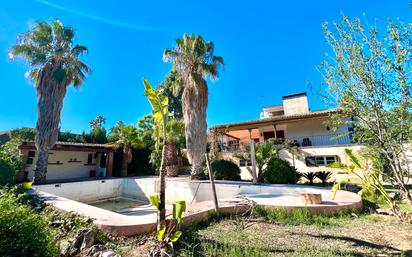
[{"x": 76, "y": 197}]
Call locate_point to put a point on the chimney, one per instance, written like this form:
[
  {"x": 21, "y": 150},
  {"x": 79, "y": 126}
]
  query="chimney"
[{"x": 295, "y": 104}]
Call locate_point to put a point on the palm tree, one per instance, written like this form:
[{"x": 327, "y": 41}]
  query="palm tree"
[
  {"x": 125, "y": 137},
  {"x": 175, "y": 141},
  {"x": 194, "y": 59},
  {"x": 54, "y": 65}
]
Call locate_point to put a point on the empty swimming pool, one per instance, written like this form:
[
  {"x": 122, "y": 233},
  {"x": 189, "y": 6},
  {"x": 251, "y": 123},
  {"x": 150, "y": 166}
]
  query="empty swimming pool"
[{"x": 121, "y": 205}]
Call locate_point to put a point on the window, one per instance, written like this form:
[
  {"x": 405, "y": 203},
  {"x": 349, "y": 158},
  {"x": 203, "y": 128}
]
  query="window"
[
  {"x": 243, "y": 163},
  {"x": 90, "y": 158},
  {"x": 30, "y": 157},
  {"x": 321, "y": 160}
]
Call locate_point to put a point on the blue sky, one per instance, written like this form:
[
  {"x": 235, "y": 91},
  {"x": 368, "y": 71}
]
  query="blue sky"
[{"x": 271, "y": 48}]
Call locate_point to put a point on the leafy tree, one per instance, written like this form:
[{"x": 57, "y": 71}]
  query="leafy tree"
[
  {"x": 125, "y": 137},
  {"x": 55, "y": 64},
  {"x": 193, "y": 58},
  {"x": 10, "y": 161},
  {"x": 67, "y": 136},
  {"x": 172, "y": 87},
  {"x": 26, "y": 134},
  {"x": 368, "y": 75},
  {"x": 98, "y": 134}
]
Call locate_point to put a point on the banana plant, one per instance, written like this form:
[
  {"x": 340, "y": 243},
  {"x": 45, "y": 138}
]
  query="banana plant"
[
  {"x": 169, "y": 234},
  {"x": 369, "y": 178},
  {"x": 160, "y": 109}
]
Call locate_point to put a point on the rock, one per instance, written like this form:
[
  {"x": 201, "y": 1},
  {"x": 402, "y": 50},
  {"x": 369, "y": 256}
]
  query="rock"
[
  {"x": 64, "y": 248},
  {"x": 88, "y": 239},
  {"x": 109, "y": 254},
  {"x": 84, "y": 239},
  {"x": 95, "y": 251}
]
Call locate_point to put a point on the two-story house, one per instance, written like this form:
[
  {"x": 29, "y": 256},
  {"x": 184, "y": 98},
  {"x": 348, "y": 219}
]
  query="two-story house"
[{"x": 315, "y": 144}]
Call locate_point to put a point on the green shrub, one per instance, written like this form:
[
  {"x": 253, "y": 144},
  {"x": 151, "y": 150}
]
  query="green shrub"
[
  {"x": 227, "y": 170},
  {"x": 10, "y": 161},
  {"x": 310, "y": 176},
  {"x": 23, "y": 232},
  {"x": 279, "y": 171},
  {"x": 324, "y": 176}
]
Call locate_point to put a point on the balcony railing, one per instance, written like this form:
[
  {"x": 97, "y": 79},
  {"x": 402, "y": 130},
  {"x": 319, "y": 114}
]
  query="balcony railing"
[{"x": 303, "y": 141}]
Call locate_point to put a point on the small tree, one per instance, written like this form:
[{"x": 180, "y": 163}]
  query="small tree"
[
  {"x": 263, "y": 153},
  {"x": 368, "y": 75}
]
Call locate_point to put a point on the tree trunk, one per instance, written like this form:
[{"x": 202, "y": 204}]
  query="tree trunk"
[
  {"x": 125, "y": 160},
  {"x": 161, "y": 213},
  {"x": 194, "y": 101},
  {"x": 51, "y": 94},
  {"x": 41, "y": 168},
  {"x": 171, "y": 160}
]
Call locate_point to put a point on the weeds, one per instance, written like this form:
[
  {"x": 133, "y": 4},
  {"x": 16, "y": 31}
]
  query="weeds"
[{"x": 300, "y": 216}]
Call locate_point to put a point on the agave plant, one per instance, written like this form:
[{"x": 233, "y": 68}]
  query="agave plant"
[{"x": 324, "y": 176}]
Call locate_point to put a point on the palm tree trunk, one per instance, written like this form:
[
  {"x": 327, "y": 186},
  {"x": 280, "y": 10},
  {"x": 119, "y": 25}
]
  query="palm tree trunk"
[
  {"x": 125, "y": 160},
  {"x": 161, "y": 213},
  {"x": 51, "y": 95},
  {"x": 194, "y": 113},
  {"x": 41, "y": 167}
]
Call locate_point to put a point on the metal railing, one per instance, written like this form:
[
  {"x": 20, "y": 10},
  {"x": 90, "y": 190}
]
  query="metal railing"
[{"x": 303, "y": 141}]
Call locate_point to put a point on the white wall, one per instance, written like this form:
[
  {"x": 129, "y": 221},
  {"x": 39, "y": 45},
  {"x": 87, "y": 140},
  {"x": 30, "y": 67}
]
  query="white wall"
[{"x": 67, "y": 169}]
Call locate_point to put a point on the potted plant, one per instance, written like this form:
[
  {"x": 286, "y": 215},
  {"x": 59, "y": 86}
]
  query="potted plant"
[{"x": 26, "y": 181}]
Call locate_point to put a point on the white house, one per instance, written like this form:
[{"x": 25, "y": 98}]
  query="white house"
[
  {"x": 69, "y": 160},
  {"x": 317, "y": 144}
]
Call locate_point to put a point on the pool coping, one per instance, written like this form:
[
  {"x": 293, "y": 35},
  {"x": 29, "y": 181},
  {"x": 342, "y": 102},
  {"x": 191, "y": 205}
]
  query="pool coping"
[{"x": 127, "y": 225}]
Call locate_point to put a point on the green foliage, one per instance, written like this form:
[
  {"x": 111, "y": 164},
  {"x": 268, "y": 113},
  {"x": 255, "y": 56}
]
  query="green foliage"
[
  {"x": 122, "y": 134},
  {"x": 23, "y": 232},
  {"x": 172, "y": 88},
  {"x": 170, "y": 233},
  {"x": 226, "y": 170},
  {"x": 263, "y": 153},
  {"x": 310, "y": 176},
  {"x": 324, "y": 176},
  {"x": 300, "y": 216},
  {"x": 367, "y": 74},
  {"x": 25, "y": 134},
  {"x": 98, "y": 134},
  {"x": 10, "y": 161},
  {"x": 279, "y": 171}
]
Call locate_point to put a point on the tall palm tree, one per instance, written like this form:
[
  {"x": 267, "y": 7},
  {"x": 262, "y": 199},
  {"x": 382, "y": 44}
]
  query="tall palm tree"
[
  {"x": 194, "y": 58},
  {"x": 125, "y": 137},
  {"x": 54, "y": 65}
]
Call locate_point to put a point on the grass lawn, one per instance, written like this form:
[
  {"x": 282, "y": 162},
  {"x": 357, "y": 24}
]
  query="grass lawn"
[{"x": 363, "y": 235}]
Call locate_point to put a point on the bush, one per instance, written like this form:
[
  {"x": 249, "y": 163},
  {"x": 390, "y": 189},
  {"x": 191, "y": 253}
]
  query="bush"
[
  {"x": 10, "y": 161},
  {"x": 226, "y": 170},
  {"x": 279, "y": 171},
  {"x": 22, "y": 231}
]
